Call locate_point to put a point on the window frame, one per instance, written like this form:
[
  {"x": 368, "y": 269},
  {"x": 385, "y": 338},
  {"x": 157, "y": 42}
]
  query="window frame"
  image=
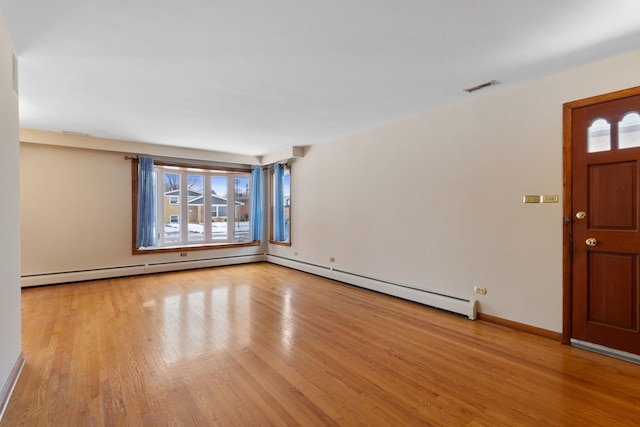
[
  {"x": 287, "y": 167},
  {"x": 194, "y": 169}
]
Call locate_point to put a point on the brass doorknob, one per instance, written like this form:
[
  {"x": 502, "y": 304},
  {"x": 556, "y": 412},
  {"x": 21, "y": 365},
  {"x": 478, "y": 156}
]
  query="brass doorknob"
[
  {"x": 581, "y": 215},
  {"x": 591, "y": 242}
]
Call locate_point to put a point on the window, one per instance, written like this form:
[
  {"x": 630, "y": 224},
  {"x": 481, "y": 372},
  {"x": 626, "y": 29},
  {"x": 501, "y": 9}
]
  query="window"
[
  {"x": 629, "y": 131},
  {"x": 193, "y": 205},
  {"x": 599, "y": 136},
  {"x": 280, "y": 196},
  {"x": 218, "y": 211}
]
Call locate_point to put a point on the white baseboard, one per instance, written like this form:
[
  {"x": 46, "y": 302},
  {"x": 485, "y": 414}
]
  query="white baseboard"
[
  {"x": 203, "y": 263},
  {"x": 134, "y": 270},
  {"x": 10, "y": 385},
  {"x": 302, "y": 266}
]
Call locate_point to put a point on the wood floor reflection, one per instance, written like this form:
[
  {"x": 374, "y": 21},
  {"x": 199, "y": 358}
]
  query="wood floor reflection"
[{"x": 264, "y": 345}]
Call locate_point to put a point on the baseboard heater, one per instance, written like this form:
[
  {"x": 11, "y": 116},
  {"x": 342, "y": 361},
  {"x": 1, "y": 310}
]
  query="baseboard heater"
[
  {"x": 453, "y": 304},
  {"x": 134, "y": 270}
]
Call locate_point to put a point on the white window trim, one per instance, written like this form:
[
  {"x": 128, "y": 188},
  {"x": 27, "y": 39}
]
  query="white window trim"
[{"x": 207, "y": 204}]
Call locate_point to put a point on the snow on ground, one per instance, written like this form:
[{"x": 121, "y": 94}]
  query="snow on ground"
[{"x": 196, "y": 231}]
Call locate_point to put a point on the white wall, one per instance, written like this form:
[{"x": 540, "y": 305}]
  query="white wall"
[
  {"x": 435, "y": 201},
  {"x": 10, "y": 317},
  {"x": 76, "y": 209}
]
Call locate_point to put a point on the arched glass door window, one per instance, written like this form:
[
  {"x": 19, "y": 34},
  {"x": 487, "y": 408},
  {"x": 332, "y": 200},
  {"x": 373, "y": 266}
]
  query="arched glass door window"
[
  {"x": 629, "y": 131},
  {"x": 599, "y": 136}
]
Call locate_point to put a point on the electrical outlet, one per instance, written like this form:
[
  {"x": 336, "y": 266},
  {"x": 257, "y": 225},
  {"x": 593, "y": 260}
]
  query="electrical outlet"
[
  {"x": 480, "y": 290},
  {"x": 332, "y": 259}
]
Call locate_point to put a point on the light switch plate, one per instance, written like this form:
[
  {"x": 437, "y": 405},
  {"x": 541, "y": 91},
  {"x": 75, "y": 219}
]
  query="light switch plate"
[{"x": 531, "y": 199}]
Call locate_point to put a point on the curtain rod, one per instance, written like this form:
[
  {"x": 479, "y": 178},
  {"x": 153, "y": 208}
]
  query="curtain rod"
[
  {"x": 285, "y": 165},
  {"x": 168, "y": 161}
]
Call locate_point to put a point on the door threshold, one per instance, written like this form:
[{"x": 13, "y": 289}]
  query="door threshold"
[{"x": 618, "y": 354}]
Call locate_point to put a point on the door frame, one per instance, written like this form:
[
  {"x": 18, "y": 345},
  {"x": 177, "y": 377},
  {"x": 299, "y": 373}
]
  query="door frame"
[{"x": 567, "y": 209}]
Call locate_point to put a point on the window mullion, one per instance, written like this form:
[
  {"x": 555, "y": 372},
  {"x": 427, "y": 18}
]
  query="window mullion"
[
  {"x": 184, "y": 208},
  {"x": 250, "y": 209},
  {"x": 207, "y": 208},
  {"x": 160, "y": 205},
  {"x": 231, "y": 213}
]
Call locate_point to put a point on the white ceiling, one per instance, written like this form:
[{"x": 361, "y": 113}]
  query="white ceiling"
[{"x": 254, "y": 76}]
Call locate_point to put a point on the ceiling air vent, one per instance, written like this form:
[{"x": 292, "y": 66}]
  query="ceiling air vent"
[
  {"x": 482, "y": 86},
  {"x": 70, "y": 132}
]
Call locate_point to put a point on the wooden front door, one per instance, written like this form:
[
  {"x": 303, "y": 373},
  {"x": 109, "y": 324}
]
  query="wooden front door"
[{"x": 603, "y": 215}]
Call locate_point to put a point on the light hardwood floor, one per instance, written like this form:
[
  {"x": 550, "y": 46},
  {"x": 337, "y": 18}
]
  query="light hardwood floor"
[{"x": 264, "y": 345}]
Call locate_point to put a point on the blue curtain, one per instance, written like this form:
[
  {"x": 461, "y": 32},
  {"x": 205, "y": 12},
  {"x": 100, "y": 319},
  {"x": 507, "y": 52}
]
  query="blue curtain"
[
  {"x": 146, "y": 233},
  {"x": 256, "y": 205},
  {"x": 278, "y": 203}
]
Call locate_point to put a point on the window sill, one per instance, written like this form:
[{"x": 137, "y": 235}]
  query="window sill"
[
  {"x": 195, "y": 247},
  {"x": 274, "y": 242}
]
